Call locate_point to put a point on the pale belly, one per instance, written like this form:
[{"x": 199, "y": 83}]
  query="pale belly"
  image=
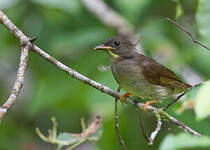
[{"x": 132, "y": 81}]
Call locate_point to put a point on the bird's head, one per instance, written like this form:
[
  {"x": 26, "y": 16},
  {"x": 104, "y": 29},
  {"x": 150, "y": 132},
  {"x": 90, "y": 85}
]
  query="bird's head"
[{"x": 117, "y": 46}]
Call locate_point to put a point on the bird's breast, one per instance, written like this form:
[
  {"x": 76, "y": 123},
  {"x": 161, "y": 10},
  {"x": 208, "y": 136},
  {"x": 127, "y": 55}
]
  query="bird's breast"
[{"x": 129, "y": 76}]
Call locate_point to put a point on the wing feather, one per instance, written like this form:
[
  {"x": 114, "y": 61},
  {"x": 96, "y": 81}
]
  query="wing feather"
[{"x": 158, "y": 74}]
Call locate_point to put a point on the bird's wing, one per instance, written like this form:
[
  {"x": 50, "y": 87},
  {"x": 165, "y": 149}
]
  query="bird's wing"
[{"x": 158, "y": 74}]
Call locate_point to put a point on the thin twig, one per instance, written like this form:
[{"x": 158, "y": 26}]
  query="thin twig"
[
  {"x": 188, "y": 33},
  {"x": 174, "y": 101},
  {"x": 18, "y": 82},
  {"x": 92, "y": 128},
  {"x": 104, "y": 89},
  {"x": 180, "y": 95},
  {"x": 117, "y": 123},
  {"x": 33, "y": 39},
  {"x": 168, "y": 118},
  {"x": 138, "y": 41},
  {"x": 157, "y": 129},
  {"x": 141, "y": 123},
  {"x": 75, "y": 145},
  {"x": 25, "y": 46},
  {"x": 182, "y": 125},
  {"x": 85, "y": 136}
]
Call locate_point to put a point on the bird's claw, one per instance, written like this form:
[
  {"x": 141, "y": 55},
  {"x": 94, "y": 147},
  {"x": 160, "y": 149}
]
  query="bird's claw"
[
  {"x": 148, "y": 103},
  {"x": 122, "y": 98}
]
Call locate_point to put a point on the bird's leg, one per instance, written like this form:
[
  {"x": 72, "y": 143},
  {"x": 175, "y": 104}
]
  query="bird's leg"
[
  {"x": 148, "y": 103},
  {"x": 122, "y": 98}
]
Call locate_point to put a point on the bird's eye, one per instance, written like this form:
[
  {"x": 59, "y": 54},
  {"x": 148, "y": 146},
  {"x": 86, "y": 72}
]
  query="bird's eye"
[{"x": 117, "y": 43}]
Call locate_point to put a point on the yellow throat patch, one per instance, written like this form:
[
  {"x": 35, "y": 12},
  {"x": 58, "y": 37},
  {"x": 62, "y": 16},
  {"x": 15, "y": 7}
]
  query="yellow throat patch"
[{"x": 115, "y": 56}]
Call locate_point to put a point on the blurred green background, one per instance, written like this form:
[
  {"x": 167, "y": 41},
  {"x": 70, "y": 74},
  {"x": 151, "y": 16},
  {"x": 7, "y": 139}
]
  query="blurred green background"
[{"x": 68, "y": 31}]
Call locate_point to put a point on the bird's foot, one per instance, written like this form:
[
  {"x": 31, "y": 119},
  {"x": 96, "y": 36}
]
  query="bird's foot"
[
  {"x": 122, "y": 98},
  {"x": 148, "y": 103}
]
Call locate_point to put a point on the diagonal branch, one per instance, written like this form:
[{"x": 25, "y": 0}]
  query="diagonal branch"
[
  {"x": 188, "y": 33},
  {"x": 157, "y": 129},
  {"x": 19, "y": 81},
  {"x": 141, "y": 123},
  {"x": 117, "y": 123},
  {"x": 168, "y": 118},
  {"x": 104, "y": 89},
  {"x": 25, "y": 46}
]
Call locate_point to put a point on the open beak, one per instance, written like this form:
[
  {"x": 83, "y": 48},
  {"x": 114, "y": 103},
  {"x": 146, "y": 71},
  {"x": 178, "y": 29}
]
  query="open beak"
[{"x": 103, "y": 47}]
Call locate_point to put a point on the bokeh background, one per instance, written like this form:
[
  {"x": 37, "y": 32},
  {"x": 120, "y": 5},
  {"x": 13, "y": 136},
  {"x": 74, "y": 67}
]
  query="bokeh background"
[{"x": 67, "y": 30}]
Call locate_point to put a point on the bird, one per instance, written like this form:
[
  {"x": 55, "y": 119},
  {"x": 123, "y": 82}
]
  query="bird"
[{"x": 140, "y": 75}]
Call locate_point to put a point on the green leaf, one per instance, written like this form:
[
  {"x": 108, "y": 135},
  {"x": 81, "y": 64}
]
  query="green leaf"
[
  {"x": 67, "y": 139},
  {"x": 203, "y": 19},
  {"x": 202, "y": 102},
  {"x": 184, "y": 140}
]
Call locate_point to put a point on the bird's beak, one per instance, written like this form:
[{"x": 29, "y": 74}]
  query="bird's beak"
[{"x": 103, "y": 47}]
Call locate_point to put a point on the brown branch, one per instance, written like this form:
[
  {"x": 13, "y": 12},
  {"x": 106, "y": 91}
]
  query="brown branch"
[
  {"x": 182, "y": 125},
  {"x": 75, "y": 74},
  {"x": 169, "y": 118},
  {"x": 180, "y": 96},
  {"x": 174, "y": 101},
  {"x": 141, "y": 123},
  {"x": 91, "y": 129},
  {"x": 117, "y": 123},
  {"x": 104, "y": 89},
  {"x": 157, "y": 129},
  {"x": 188, "y": 33},
  {"x": 18, "y": 82},
  {"x": 87, "y": 134},
  {"x": 25, "y": 46}
]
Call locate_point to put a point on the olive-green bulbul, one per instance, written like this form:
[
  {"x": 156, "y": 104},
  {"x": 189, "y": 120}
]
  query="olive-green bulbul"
[{"x": 140, "y": 75}]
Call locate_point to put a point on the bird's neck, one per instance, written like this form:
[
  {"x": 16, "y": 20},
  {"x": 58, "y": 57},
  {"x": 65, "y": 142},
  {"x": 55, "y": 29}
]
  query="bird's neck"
[{"x": 115, "y": 58}]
